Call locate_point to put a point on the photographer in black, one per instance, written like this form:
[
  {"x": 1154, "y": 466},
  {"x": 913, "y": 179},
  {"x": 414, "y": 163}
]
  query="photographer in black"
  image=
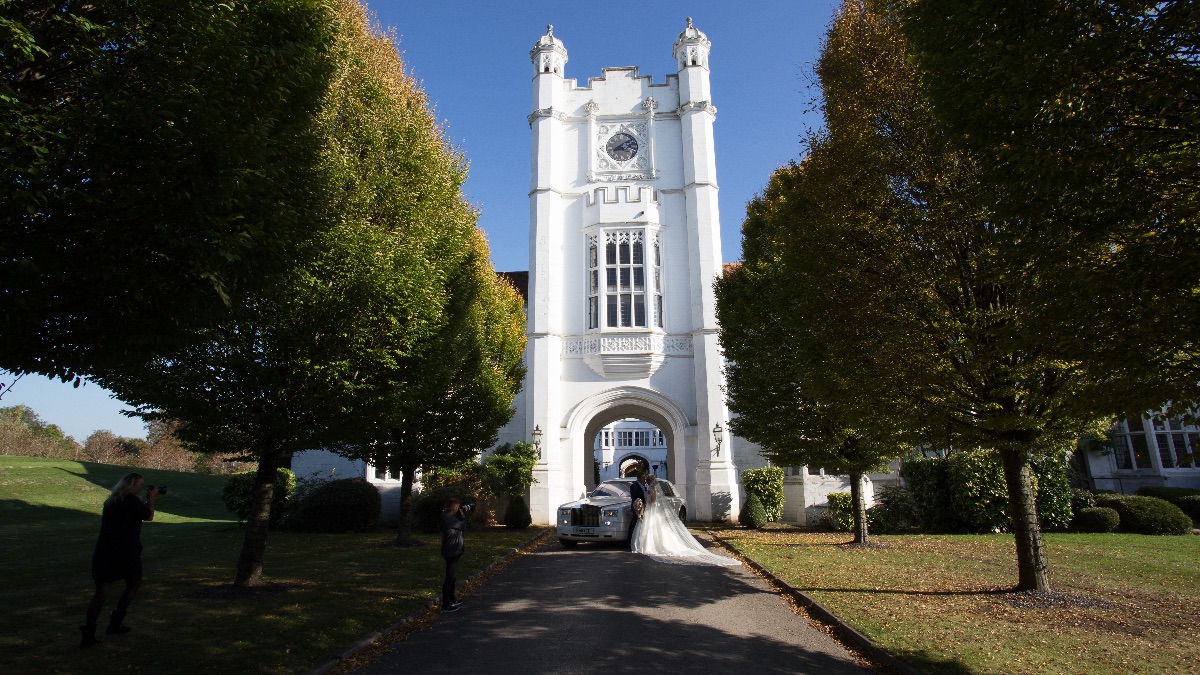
[
  {"x": 454, "y": 521},
  {"x": 118, "y": 553}
]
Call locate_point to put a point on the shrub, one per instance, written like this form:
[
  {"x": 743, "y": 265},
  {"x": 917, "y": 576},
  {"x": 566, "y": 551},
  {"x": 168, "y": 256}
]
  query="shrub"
[
  {"x": 978, "y": 493},
  {"x": 1147, "y": 515},
  {"x": 1082, "y": 499},
  {"x": 509, "y": 469},
  {"x": 426, "y": 514},
  {"x": 1096, "y": 519},
  {"x": 894, "y": 511},
  {"x": 516, "y": 516},
  {"x": 841, "y": 511},
  {"x": 1053, "y": 488},
  {"x": 238, "y": 494},
  {"x": 346, "y": 505},
  {"x": 926, "y": 478},
  {"x": 767, "y": 484},
  {"x": 1190, "y": 505},
  {"x": 753, "y": 515}
]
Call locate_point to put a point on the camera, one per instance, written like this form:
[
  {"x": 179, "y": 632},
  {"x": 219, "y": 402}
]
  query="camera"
[
  {"x": 162, "y": 489},
  {"x": 466, "y": 508}
]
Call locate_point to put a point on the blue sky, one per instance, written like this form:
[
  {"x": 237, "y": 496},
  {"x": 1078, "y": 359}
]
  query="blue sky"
[{"x": 472, "y": 57}]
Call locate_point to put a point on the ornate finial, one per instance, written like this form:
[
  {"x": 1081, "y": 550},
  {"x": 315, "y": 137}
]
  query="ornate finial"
[
  {"x": 650, "y": 104},
  {"x": 689, "y": 22},
  {"x": 550, "y": 28}
]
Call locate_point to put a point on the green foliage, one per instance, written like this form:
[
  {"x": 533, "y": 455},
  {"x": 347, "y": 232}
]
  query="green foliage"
[
  {"x": 1147, "y": 515},
  {"x": 978, "y": 494},
  {"x": 1082, "y": 499},
  {"x": 426, "y": 512},
  {"x": 840, "y": 515},
  {"x": 238, "y": 494},
  {"x": 753, "y": 515},
  {"x": 508, "y": 470},
  {"x": 894, "y": 512},
  {"x": 1053, "y": 490},
  {"x": 517, "y": 516},
  {"x": 1171, "y": 494},
  {"x": 926, "y": 478},
  {"x": 966, "y": 492},
  {"x": 1189, "y": 504},
  {"x": 1096, "y": 519},
  {"x": 766, "y": 484},
  {"x": 157, "y": 169},
  {"x": 346, "y": 505}
]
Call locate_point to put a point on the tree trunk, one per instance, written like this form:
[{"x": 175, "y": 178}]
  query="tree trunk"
[
  {"x": 408, "y": 473},
  {"x": 859, "y": 507},
  {"x": 254, "y": 546},
  {"x": 1031, "y": 560}
]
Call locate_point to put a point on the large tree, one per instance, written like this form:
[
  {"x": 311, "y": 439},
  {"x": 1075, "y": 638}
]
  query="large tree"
[
  {"x": 1085, "y": 118},
  {"x": 446, "y": 402},
  {"x": 295, "y": 368},
  {"x": 910, "y": 284},
  {"x": 156, "y": 168}
]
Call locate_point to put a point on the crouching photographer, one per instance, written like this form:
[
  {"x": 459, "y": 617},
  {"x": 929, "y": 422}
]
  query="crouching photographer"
[
  {"x": 454, "y": 521},
  {"x": 118, "y": 553}
]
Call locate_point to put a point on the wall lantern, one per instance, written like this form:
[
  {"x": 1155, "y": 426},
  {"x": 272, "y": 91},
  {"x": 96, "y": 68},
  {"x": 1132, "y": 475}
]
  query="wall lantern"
[
  {"x": 537, "y": 440},
  {"x": 718, "y": 436}
]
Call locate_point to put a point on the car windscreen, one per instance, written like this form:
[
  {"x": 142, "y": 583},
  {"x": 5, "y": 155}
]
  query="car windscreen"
[{"x": 612, "y": 490}]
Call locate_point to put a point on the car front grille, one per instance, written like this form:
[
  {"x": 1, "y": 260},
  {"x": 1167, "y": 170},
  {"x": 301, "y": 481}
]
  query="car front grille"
[{"x": 586, "y": 516}]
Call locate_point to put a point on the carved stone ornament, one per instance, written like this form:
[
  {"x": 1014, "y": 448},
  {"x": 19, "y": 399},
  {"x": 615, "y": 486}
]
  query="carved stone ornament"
[
  {"x": 650, "y": 104},
  {"x": 697, "y": 105},
  {"x": 591, "y": 108},
  {"x": 608, "y": 168},
  {"x": 627, "y": 356}
]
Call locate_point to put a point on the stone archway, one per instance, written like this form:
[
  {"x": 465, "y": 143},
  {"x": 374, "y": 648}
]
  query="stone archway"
[{"x": 593, "y": 413}]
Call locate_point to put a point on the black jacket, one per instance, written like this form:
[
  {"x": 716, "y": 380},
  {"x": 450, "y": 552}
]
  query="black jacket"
[{"x": 452, "y": 534}]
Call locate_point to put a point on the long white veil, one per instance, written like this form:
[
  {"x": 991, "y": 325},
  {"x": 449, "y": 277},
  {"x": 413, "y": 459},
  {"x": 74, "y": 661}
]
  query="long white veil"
[{"x": 662, "y": 536}]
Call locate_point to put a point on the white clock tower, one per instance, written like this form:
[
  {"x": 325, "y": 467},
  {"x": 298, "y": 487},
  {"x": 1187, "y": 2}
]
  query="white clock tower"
[{"x": 624, "y": 248}]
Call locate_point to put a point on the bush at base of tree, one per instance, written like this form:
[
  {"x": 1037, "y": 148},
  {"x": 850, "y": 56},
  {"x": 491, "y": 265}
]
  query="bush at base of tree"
[
  {"x": 238, "y": 494},
  {"x": 426, "y": 515},
  {"x": 753, "y": 515},
  {"x": 1147, "y": 515},
  {"x": 1096, "y": 519},
  {"x": 767, "y": 484},
  {"x": 840, "y": 515},
  {"x": 966, "y": 492},
  {"x": 516, "y": 516},
  {"x": 346, "y": 505},
  {"x": 894, "y": 511}
]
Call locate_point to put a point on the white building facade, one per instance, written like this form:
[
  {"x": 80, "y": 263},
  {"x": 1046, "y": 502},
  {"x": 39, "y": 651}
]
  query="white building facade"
[{"x": 624, "y": 248}]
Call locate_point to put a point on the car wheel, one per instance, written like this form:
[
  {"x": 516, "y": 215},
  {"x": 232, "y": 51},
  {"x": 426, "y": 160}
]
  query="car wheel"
[
  {"x": 683, "y": 514},
  {"x": 568, "y": 543}
]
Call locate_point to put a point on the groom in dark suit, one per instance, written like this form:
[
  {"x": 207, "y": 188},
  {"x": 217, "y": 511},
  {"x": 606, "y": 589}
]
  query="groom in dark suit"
[{"x": 637, "y": 490}]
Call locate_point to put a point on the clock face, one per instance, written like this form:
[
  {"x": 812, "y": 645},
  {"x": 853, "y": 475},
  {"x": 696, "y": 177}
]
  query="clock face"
[{"x": 622, "y": 147}]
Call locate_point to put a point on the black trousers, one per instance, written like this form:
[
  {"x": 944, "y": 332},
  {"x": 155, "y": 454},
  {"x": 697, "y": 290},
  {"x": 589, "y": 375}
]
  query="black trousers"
[{"x": 451, "y": 580}]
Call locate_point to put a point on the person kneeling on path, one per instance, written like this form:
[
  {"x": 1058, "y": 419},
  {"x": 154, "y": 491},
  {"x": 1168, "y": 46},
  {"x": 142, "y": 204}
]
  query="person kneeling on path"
[
  {"x": 118, "y": 553},
  {"x": 454, "y": 520}
]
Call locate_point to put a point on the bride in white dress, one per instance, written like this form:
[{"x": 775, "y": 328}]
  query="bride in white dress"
[{"x": 663, "y": 536}]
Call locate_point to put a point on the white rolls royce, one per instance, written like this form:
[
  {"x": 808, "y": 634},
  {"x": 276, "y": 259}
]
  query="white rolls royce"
[{"x": 607, "y": 513}]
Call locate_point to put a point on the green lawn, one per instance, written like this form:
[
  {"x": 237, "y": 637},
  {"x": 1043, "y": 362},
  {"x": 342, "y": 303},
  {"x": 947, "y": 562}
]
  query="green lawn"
[
  {"x": 325, "y": 593},
  {"x": 939, "y": 602}
]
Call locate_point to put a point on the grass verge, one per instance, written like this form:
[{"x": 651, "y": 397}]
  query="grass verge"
[
  {"x": 325, "y": 591},
  {"x": 1123, "y": 603}
]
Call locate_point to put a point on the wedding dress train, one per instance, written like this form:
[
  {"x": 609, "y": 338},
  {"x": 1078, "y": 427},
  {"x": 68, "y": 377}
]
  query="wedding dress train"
[{"x": 662, "y": 536}]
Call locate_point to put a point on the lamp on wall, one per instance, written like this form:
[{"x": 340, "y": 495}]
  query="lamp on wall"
[
  {"x": 718, "y": 436},
  {"x": 537, "y": 440}
]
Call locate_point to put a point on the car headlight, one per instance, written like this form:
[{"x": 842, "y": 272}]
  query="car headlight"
[{"x": 610, "y": 513}]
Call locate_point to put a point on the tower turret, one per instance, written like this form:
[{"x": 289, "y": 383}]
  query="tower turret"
[{"x": 691, "y": 55}]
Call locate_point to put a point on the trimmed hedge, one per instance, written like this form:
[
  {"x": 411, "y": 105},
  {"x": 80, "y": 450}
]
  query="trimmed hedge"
[
  {"x": 841, "y": 511},
  {"x": 238, "y": 494},
  {"x": 753, "y": 515},
  {"x": 1082, "y": 499},
  {"x": 767, "y": 484},
  {"x": 516, "y": 516},
  {"x": 894, "y": 511},
  {"x": 1190, "y": 505},
  {"x": 1147, "y": 515},
  {"x": 1096, "y": 519},
  {"x": 966, "y": 492},
  {"x": 346, "y": 505}
]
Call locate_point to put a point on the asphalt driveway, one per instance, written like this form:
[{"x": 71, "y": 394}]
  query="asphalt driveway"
[{"x": 605, "y": 610}]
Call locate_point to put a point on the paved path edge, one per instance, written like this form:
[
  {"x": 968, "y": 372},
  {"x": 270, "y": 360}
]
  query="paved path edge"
[
  {"x": 841, "y": 630},
  {"x": 371, "y": 639}
]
